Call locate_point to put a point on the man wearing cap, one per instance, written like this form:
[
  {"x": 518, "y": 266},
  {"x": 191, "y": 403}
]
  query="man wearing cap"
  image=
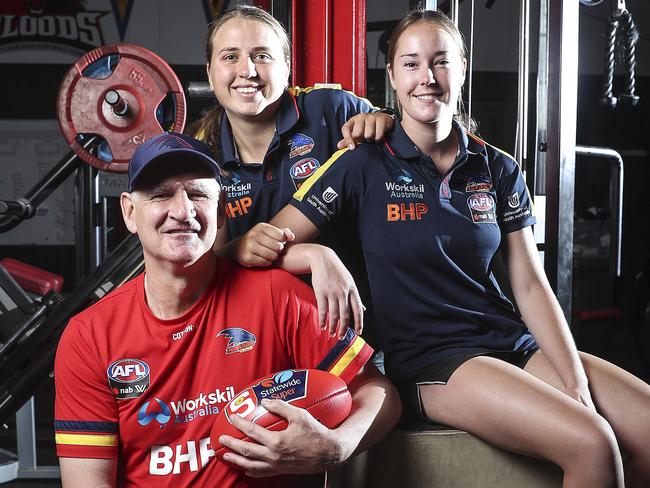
[{"x": 142, "y": 374}]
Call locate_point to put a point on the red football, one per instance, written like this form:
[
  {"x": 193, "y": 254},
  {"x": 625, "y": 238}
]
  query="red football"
[{"x": 324, "y": 395}]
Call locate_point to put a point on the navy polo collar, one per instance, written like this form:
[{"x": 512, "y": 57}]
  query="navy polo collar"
[
  {"x": 400, "y": 145},
  {"x": 286, "y": 117}
]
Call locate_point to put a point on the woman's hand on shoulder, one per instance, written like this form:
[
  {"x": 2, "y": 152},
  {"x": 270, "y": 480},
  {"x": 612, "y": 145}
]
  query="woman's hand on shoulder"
[
  {"x": 365, "y": 127},
  {"x": 261, "y": 245}
]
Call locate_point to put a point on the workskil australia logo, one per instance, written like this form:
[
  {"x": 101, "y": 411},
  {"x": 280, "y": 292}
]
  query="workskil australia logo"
[
  {"x": 233, "y": 186},
  {"x": 160, "y": 413},
  {"x": 185, "y": 410},
  {"x": 402, "y": 186}
]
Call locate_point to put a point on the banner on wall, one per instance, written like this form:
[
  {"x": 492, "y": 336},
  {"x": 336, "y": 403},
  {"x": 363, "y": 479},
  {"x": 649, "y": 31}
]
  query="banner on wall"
[{"x": 60, "y": 31}]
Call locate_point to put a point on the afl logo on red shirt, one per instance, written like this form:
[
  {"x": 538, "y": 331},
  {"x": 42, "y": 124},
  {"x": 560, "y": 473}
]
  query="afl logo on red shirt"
[
  {"x": 128, "y": 378},
  {"x": 303, "y": 169}
]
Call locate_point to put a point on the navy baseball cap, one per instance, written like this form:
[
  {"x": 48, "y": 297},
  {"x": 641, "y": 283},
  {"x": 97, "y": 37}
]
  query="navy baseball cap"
[{"x": 161, "y": 146}]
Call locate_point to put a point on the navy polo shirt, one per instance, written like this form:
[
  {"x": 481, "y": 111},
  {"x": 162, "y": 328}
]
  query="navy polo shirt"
[
  {"x": 308, "y": 127},
  {"x": 428, "y": 241}
]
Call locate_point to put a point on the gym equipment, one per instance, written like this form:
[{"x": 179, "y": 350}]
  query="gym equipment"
[
  {"x": 622, "y": 31},
  {"x": 124, "y": 93},
  {"x": 27, "y": 356},
  {"x": 112, "y": 99},
  {"x": 32, "y": 279}
]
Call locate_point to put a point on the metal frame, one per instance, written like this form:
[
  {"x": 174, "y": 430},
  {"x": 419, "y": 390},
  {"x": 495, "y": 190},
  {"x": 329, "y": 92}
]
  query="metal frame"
[
  {"x": 521, "y": 143},
  {"x": 26, "y": 443},
  {"x": 559, "y": 144},
  {"x": 615, "y": 200},
  {"x": 318, "y": 56}
]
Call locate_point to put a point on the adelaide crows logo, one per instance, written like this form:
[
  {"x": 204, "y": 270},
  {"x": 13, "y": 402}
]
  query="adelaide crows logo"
[
  {"x": 299, "y": 145},
  {"x": 239, "y": 340}
]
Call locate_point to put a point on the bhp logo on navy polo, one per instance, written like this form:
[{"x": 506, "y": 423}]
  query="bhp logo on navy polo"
[{"x": 128, "y": 378}]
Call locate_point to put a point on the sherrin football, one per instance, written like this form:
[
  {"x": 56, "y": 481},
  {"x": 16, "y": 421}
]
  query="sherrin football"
[{"x": 324, "y": 395}]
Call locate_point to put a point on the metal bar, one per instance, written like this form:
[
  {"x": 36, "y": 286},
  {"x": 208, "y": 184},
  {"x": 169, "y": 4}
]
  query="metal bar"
[
  {"x": 538, "y": 182},
  {"x": 319, "y": 56},
  {"x": 521, "y": 143},
  {"x": 199, "y": 89},
  {"x": 15, "y": 295},
  {"x": 470, "y": 61},
  {"x": 359, "y": 47},
  {"x": 560, "y": 159},
  {"x": 95, "y": 222},
  {"x": 281, "y": 10},
  {"x": 26, "y": 435},
  {"x": 453, "y": 11},
  {"x": 309, "y": 36},
  {"x": 41, "y": 472},
  {"x": 616, "y": 199},
  {"x": 326, "y": 42},
  {"x": 58, "y": 174}
]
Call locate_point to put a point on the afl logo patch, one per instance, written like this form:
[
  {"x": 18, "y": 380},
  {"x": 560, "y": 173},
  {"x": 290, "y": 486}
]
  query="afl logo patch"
[
  {"x": 303, "y": 169},
  {"x": 481, "y": 202},
  {"x": 128, "y": 378},
  {"x": 481, "y": 206}
]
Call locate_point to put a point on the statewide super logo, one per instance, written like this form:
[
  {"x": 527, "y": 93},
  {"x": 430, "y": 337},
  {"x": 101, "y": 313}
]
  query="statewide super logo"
[
  {"x": 128, "y": 378},
  {"x": 481, "y": 206},
  {"x": 299, "y": 145},
  {"x": 303, "y": 169},
  {"x": 239, "y": 340},
  {"x": 289, "y": 385}
]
